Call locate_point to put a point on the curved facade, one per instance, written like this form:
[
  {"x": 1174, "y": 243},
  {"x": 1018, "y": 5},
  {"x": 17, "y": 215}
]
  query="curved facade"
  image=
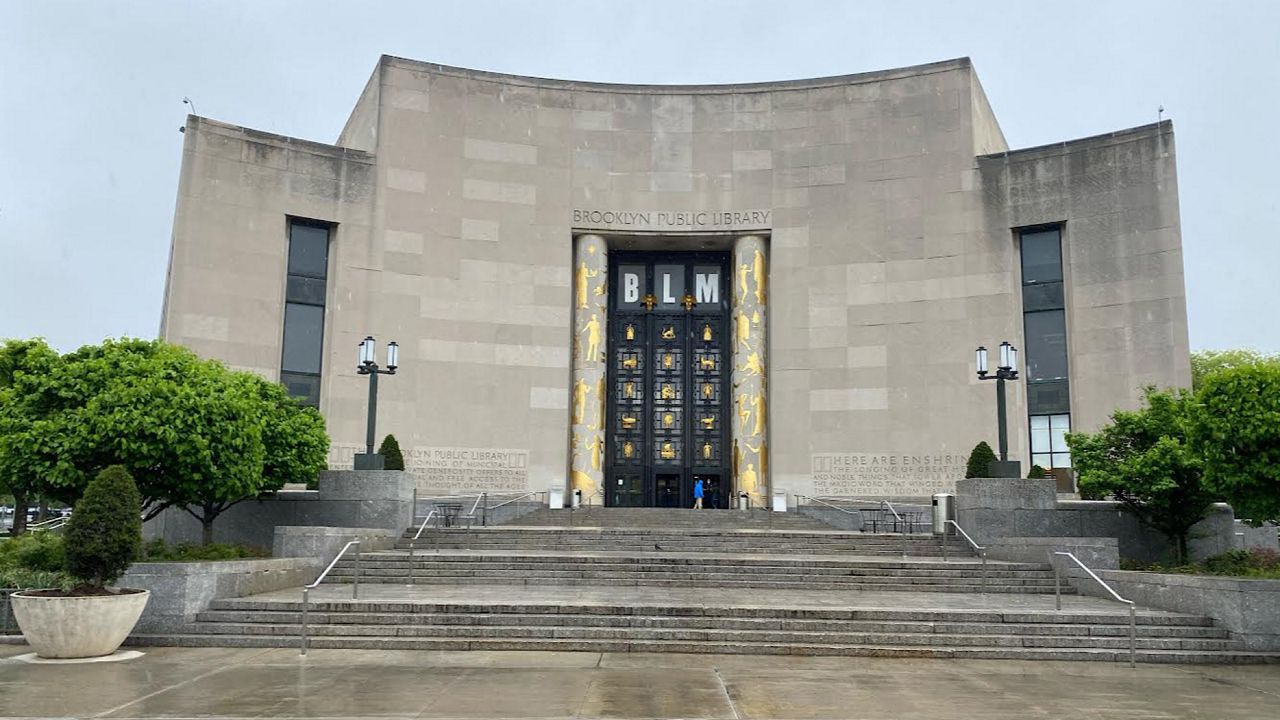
[{"x": 791, "y": 276}]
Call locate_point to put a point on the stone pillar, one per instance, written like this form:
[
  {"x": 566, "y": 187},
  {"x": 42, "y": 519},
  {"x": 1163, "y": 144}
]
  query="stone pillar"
[
  {"x": 750, "y": 422},
  {"x": 590, "y": 344}
]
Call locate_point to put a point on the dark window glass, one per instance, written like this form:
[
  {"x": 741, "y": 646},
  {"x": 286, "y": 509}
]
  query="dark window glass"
[
  {"x": 1044, "y": 296},
  {"x": 1041, "y": 256},
  {"x": 308, "y": 250},
  {"x": 307, "y": 290},
  {"x": 1046, "y": 354},
  {"x": 303, "y": 337},
  {"x": 1048, "y": 396},
  {"x": 304, "y": 387}
]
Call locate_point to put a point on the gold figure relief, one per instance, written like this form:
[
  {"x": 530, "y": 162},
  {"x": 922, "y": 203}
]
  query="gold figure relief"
[
  {"x": 668, "y": 451},
  {"x": 688, "y": 301},
  {"x": 757, "y": 270},
  {"x": 742, "y": 282},
  {"x": 747, "y": 481},
  {"x": 580, "y": 391},
  {"x": 755, "y": 317},
  {"x": 628, "y": 449},
  {"x": 631, "y": 332},
  {"x": 630, "y": 363},
  {"x": 668, "y": 392},
  {"x": 629, "y": 422},
  {"x": 649, "y": 301},
  {"x": 592, "y": 331},
  {"x": 744, "y": 412},
  {"x": 744, "y": 330},
  {"x": 629, "y": 391},
  {"x": 669, "y": 333},
  {"x": 753, "y": 366},
  {"x": 706, "y": 451},
  {"x": 709, "y": 422},
  {"x": 757, "y": 405},
  {"x": 597, "y": 451},
  {"x": 706, "y": 333},
  {"x": 668, "y": 360},
  {"x": 707, "y": 363},
  {"x": 708, "y": 390},
  {"x": 668, "y": 419},
  {"x": 583, "y": 280}
]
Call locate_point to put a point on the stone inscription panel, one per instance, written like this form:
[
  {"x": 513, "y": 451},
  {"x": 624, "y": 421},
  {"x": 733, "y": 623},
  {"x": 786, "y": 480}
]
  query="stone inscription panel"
[
  {"x": 461, "y": 469},
  {"x": 467, "y": 469},
  {"x": 886, "y": 475},
  {"x": 673, "y": 220}
]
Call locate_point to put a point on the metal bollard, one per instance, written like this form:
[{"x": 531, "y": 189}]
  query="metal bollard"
[
  {"x": 355, "y": 583},
  {"x": 1057, "y": 587},
  {"x": 305, "y": 598}
]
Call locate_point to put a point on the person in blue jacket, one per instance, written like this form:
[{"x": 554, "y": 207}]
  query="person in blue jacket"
[{"x": 697, "y": 494}]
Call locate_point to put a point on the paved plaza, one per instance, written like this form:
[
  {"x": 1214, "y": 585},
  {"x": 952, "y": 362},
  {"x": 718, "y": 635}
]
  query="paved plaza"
[{"x": 244, "y": 683}]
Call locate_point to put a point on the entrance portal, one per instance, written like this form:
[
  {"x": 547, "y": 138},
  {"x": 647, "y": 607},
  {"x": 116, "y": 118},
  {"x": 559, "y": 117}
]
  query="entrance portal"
[{"x": 668, "y": 380}]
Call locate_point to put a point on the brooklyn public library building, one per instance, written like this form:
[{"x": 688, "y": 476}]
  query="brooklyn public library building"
[{"x": 622, "y": 289}]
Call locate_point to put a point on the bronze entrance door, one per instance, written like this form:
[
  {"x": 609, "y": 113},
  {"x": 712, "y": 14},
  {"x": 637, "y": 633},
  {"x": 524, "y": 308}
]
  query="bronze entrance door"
[{"x": 668, "y": 370}]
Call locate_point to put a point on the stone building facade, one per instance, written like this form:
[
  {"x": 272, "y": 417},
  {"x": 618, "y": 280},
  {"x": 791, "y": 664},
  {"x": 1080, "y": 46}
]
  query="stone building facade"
[{"x": 624, "y": 289}]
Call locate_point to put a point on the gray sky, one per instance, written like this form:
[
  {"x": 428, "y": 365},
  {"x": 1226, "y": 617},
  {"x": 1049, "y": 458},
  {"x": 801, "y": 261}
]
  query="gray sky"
[{"x": 90, "y": 104}]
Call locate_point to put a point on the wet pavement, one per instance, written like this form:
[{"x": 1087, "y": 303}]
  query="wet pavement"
[{"x": 245, "y": 683}]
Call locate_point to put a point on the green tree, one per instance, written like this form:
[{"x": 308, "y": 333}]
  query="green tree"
[
  {"x": 1235, "y": 427},
  {"x": 1205, "y": 363},
  {"x": 1142, "y": 459},
  {"x": 980, "y": 461},
  {"x": 27, "y": 409},
  {"x": 1037, "y": 473},
  {"x": 390, "y": 451},
  {"x": 196, "y": 435},
  {"x": 104, "y": 534}
]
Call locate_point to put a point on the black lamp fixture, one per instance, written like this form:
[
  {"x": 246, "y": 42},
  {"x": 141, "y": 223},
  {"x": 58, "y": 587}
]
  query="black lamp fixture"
[
  {"x": 1006, "y": 370},
  {"x": 367, "y": 364}
]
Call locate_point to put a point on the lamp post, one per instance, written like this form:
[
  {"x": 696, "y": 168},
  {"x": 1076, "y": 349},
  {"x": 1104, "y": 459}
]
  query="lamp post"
[
  {"x": 1006, "y": 370},
  {"x": 367, "y": 364}
]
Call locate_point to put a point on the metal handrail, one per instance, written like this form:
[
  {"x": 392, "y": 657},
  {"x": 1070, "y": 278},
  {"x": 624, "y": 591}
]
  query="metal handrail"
[
  {"x": 413, "y": 572},
  {"x": 518, "y": 498},
  {"x": 981, "y": 550},
  {"x": 48, "y": 525},
  {"x": 851, "y": 512},
  {"x": 820, "y": 501},
  {"x": 1133, "y": 622},
  {"x": 306, "y": 589}
]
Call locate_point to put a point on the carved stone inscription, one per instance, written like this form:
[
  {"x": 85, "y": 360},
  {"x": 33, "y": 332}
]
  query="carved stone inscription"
[
  {"x": 467, "y": 469},
  {"x": 672, "y": 220},
  {"x": 881, "y": 475}
]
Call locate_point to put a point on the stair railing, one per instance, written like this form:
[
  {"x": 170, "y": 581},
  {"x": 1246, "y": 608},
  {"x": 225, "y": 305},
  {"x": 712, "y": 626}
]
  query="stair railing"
[
  {"x": 306, "y": 589},
  {"x": 413, "y": 577},
  {"x": 1133, "y": 621},
  {"x": 517, "y": 498},
  {"x": 981, "y": 550}
]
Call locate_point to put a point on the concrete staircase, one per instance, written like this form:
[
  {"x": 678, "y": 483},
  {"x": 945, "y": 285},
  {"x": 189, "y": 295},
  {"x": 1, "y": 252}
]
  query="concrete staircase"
[
  {"x": 714, "y": 628},
  {"x": 700, "y": 582}
]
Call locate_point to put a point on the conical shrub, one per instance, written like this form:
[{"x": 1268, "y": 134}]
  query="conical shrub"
[
  {"x": 980, "y": 461},
  {"x": 104, "y": 534},
  {"x": 390, "y": 452}
]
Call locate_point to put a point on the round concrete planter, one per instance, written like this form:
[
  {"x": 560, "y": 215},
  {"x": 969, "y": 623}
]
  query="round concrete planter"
[{"x": 77, "y": 627}]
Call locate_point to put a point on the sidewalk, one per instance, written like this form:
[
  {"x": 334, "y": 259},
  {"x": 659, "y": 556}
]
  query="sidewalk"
[{"x": 227, "y": 683}]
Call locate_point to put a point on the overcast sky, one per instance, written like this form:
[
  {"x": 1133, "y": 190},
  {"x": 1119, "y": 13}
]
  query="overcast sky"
[{"x": 90, "y": 104}]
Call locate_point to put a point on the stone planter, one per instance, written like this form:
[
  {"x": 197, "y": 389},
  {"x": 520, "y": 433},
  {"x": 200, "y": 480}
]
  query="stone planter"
[{"x": 77, "y": 627}]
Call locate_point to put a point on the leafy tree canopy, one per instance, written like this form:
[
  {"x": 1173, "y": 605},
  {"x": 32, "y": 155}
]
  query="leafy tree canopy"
[
  {"x": 1207, "y": 362},
  {"x": 1142, "y": 459},
  {"x": 193, "y": 434},
  {"x": 1235, "y": 427}
]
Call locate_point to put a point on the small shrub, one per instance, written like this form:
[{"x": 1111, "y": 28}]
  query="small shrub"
[
  {"x": 980, "y": 461},
  {"x": 1037, "y": 473},
  {"x": 393, "y": 459},
  {"x": 27, "y": 579},
  {"x": 158, "y": 551},
  {"x": 41, "y": 552},
  {"x": 104, "y": 534}
]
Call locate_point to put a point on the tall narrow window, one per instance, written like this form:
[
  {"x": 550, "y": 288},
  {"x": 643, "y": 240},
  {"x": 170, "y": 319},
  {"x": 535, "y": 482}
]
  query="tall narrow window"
[
  {"x": 1044, "y": 323},
  {"x": 305, "y": 290}
]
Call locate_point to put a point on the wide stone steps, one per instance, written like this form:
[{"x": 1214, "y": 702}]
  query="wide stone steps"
[
  {"x": 668, "y": 518},
  {"x": 1038, "y": 635}
]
